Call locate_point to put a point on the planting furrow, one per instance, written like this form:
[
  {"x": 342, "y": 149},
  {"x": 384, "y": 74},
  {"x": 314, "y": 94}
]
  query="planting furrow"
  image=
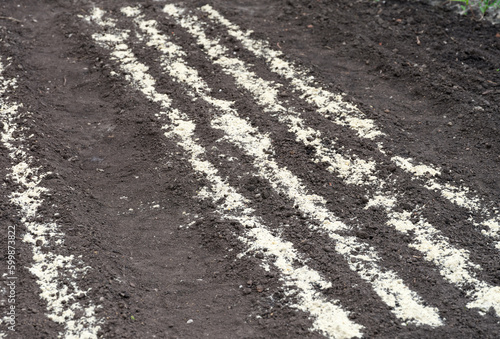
[
  {"x": 332, "y": 104},
  {"x": 454, "y": 264},
  {"x": 56, "y": 274},
  {"x": 461, "y": 196},
  {"x": 302, "y": 282},
  {"x": 391, "y": 289}
]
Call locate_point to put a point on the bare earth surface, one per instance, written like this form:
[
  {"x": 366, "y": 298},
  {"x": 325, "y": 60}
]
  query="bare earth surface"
[{"x": 135, "y": 203}]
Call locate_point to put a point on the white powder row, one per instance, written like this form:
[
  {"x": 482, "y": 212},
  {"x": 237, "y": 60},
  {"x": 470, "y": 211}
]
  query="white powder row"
[
  {"x": 328, "y": 317},
  {"x": 391, "y": 289},
  {"x": 461, "y": 196},
  {"x": 330, "y": 103},
  {"x": 55, "y": 274},
  {"x": 454, "y": 264}
]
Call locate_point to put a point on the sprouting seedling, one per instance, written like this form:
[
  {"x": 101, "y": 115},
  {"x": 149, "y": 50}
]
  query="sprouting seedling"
[
  {"x": 464, "y": 5},
  {"x": 482, "y": 5}
]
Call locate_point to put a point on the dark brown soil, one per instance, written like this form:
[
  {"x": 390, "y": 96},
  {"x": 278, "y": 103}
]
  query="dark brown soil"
[{"x": 428, "y": 77}]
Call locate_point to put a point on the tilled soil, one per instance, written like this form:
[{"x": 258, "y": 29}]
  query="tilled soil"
[{"x": 158, "y": 252}]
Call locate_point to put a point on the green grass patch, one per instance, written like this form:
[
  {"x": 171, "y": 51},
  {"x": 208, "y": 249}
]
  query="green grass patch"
[{"x": 482, "y": 5}]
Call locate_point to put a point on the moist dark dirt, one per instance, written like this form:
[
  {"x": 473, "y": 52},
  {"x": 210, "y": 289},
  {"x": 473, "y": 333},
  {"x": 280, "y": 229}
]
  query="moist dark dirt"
[{"x": 126, "y": 197}]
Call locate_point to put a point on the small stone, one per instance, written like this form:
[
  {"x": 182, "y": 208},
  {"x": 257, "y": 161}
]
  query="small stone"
[
  {"x": 260, "y": 289},
  {"x": 189, "y": 321},
  {"x": 124, "y": 294}
]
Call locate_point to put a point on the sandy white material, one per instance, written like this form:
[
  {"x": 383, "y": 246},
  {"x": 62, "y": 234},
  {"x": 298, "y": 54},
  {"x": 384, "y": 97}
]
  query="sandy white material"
[
  {"x": 350, "y": 168},
  {"x": 327, "y": 102},
  {"x": 459, "y": 195},
  {"x": 454, "y": 264},
  {"x": 331, "y": 103},
  {"x": 391, "y": 289},
  {"x": 96, "y": 16},
  {"x": 329, "y": 318},
  {"x": 57, "y": 275}
]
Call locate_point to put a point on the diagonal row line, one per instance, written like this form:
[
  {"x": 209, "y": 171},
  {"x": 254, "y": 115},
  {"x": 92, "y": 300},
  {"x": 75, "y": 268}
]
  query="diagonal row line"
[
  {"x": 329, "y": 318},
  {"x": 55, "y": 273},
  {"x": 391, "y": 289},
  {"x": 332, "y": 104},
  {"x": 454, "y": 264},
  {"x": 461, "y": 196}
]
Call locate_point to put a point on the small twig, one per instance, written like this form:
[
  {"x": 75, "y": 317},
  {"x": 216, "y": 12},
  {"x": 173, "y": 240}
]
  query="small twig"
[{"x": 9, "y": 18}]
